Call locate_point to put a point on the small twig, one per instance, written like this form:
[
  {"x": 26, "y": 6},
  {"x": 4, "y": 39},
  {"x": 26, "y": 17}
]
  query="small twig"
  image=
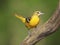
[{"x": 46, "y": 29}]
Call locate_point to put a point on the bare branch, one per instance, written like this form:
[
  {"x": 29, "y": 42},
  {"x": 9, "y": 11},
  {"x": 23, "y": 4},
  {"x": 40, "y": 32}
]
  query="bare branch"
[{"x": 46, "y": 29}]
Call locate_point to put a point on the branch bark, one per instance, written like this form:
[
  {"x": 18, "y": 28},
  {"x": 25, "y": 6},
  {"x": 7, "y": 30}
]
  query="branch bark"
[{"x": 46, "y": 29}]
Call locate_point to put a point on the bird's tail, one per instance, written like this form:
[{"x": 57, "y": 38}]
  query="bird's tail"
[{"x": 21, "y": 18}]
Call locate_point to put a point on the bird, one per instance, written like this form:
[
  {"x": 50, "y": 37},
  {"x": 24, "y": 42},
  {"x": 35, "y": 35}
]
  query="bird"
[{"x": 32, "y": 21}]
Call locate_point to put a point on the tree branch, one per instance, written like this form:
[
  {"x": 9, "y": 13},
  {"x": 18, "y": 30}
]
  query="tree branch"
[{"x": 46, "y": 29}]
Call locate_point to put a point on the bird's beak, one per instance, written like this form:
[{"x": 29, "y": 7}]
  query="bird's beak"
[{"x": 41, "y": 13}]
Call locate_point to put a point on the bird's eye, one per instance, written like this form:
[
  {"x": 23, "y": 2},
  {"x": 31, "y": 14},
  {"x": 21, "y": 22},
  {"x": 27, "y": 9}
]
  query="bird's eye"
[{"x": 38, "y": 12}]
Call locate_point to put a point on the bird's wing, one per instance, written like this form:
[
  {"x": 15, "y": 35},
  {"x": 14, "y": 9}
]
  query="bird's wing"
[{"x": 20, "y": 17}]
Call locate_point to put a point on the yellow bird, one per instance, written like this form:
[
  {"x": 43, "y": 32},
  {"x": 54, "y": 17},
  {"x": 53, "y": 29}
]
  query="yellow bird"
[{"x": 32, "y": 21}]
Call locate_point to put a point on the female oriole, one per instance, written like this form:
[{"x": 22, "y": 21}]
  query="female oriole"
[{"x": 32, "y": 21}]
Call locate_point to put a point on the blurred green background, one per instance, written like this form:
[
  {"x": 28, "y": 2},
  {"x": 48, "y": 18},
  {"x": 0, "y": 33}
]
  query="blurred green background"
[{"x": 11, "y": 29}]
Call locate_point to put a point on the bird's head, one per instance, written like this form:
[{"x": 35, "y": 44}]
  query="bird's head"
[{"x": 38, "y": 13}]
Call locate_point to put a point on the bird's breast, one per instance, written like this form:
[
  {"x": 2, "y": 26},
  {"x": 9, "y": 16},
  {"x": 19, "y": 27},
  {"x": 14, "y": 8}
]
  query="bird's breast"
[{"x": 34, "y": 21}]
